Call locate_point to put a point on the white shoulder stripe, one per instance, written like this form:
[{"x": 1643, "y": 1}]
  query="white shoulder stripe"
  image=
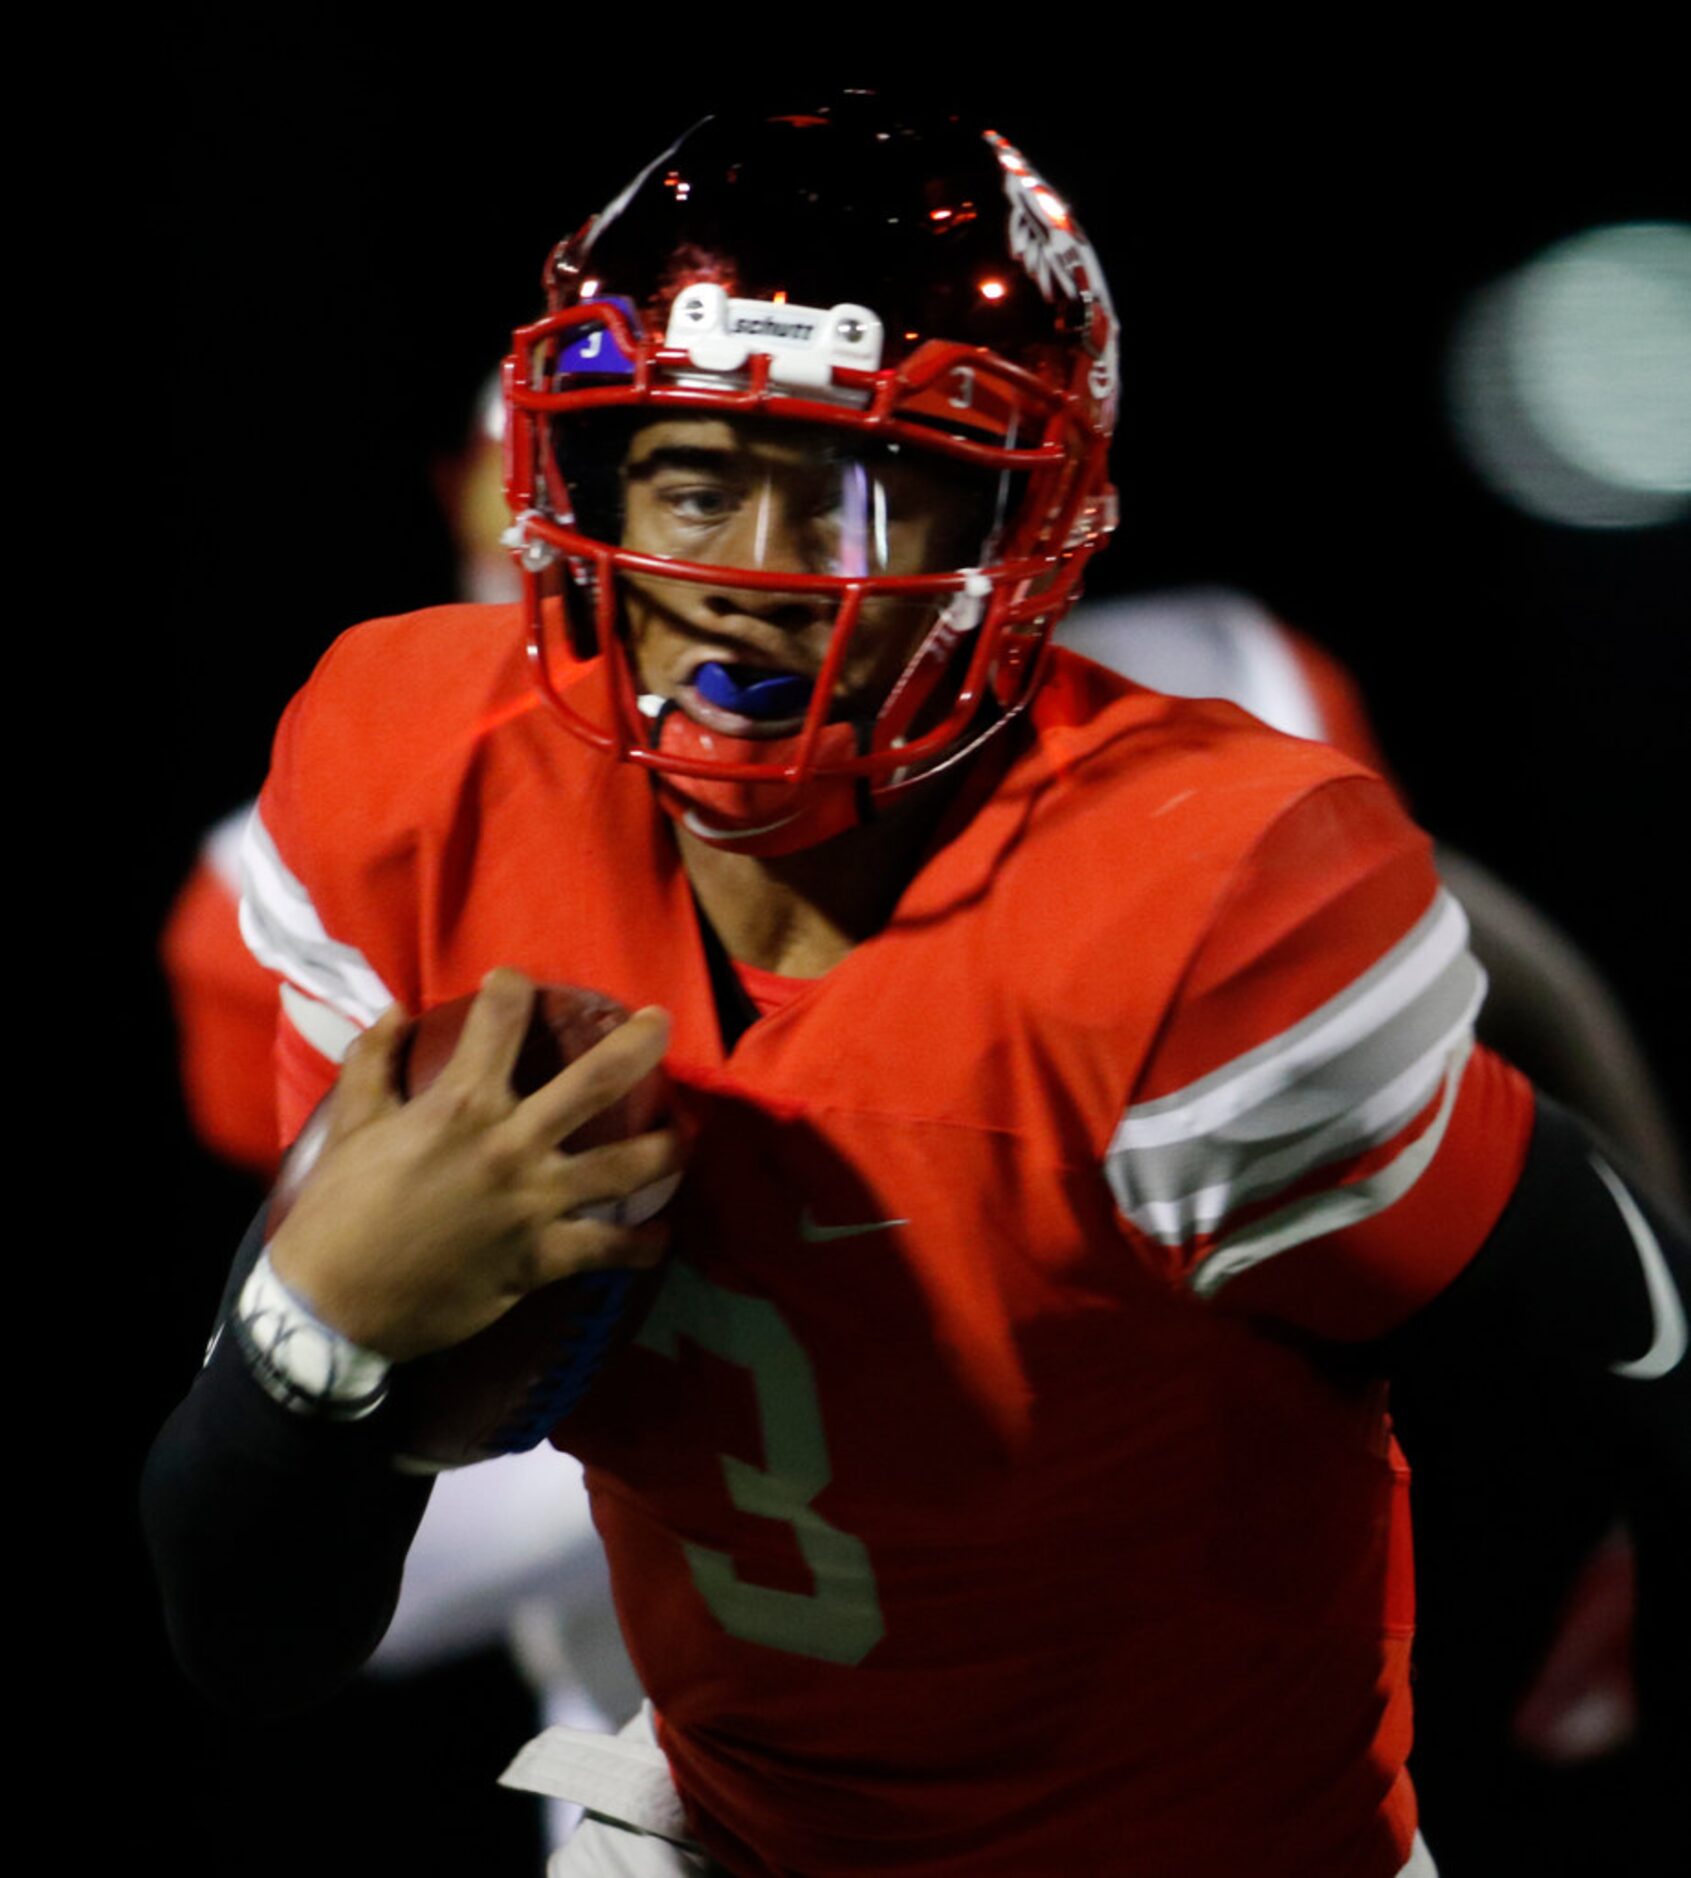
[
  {"x": 1323, "y": 1112},
  {"x": 328, "y": 1033},
  {"x": 1318, "y": 1214},
  {"x": 1259, "y": 1169},
  {"x": 284, "y": 932},
  {"x": 1343, "y": 1082},
  {"x": 1435, "y": 945}
]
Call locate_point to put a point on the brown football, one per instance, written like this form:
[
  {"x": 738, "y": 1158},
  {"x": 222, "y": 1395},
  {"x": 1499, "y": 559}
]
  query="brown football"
[
  {"x": 566, "y": 1023},
  {"x": 506, "y": 1388}
]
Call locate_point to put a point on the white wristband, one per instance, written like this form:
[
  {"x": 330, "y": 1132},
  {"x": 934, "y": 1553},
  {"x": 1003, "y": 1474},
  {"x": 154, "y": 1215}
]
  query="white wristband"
[{"x": 305, "y": 1364}]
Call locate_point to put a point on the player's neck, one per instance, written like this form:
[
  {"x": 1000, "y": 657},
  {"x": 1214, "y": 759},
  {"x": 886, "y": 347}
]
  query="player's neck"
[{"x": 801, "y": 914}]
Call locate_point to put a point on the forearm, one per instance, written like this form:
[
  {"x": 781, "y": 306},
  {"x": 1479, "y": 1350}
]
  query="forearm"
[
  {"x": 1568, "y": 1329},
  {"x": 277, "y": 1539},
  {"x": 277, "y": 1521}
]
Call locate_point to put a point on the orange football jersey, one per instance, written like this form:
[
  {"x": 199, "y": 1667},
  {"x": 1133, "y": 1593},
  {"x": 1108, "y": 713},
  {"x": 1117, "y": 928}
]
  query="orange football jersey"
[
  {"x": 974, "y": 1498},
  {"x": 1191, "y": 643}
]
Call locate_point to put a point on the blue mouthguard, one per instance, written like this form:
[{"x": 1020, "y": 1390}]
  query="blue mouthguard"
[{"x": 775, "y": 694}]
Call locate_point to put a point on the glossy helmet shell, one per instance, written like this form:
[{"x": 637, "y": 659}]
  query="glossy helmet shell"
[{"x": 996, "y": 349}]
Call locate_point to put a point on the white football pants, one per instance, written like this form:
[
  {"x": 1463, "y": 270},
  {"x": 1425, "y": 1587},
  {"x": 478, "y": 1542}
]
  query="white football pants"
[{"x": 627, "y": 1778}]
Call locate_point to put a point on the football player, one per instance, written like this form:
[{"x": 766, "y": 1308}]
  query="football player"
[{"x": 1083, "y": 1111}]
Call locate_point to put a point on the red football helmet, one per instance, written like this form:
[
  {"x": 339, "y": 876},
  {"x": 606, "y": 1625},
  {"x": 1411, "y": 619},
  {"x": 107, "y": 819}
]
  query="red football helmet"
[{"x": 904, "y": 306}]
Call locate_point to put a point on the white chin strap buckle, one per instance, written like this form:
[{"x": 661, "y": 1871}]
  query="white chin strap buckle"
[
  {"x": 804, "y": 343},
  {"x": 964, "y": 611},
  {"x": 535, "y": 554}
]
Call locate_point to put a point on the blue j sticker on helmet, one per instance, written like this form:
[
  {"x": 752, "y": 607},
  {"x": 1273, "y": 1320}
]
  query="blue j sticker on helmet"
[
  {"x": 597, "y": 349},
  {"x": 770, "y": 695}
]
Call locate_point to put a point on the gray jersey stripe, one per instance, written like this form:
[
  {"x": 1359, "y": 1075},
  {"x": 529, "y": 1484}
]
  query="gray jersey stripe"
[
  {"x": 1183, "y": 1217},
  {"x": 1333, "y": 1110},
  {"x": 1370, "y": 1001},
  {"x": 1316, "y": 1215}
]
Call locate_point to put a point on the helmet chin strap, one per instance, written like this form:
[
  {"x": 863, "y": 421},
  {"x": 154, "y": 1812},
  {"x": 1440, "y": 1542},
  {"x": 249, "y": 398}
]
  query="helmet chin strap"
[
  {"x": 759, "y": 818},
  {"x": 768, "y": 819},
  {"x": 960, "y": 616}
]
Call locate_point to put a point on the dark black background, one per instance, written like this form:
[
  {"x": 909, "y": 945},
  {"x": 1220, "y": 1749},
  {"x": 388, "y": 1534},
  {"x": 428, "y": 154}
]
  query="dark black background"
[{"x": 338, "y": 235}]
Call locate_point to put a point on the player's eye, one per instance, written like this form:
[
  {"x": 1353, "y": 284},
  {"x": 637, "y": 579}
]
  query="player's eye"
[{"x": 699, "y": 504}]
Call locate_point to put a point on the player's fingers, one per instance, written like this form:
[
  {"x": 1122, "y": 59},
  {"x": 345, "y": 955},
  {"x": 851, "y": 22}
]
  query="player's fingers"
[
  {"x": 366, "y": 1087},
  {"x": 569, "y": 1246},
  {"x": 596, "y": 1079},
  {"x": 492, "y": 1037},
  {"x": 615, "y": 1171}
]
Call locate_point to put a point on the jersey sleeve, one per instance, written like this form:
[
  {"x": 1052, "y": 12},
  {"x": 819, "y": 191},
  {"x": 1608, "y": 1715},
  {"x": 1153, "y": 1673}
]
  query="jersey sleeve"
[
  {"x": 224, "y": 1003},
  {"x": 1316, "y": 1137},
  {"x": 329, "y": 990}
]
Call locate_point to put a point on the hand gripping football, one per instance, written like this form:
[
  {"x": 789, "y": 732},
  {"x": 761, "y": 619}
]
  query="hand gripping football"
[{"x": 503, "y": 1390}]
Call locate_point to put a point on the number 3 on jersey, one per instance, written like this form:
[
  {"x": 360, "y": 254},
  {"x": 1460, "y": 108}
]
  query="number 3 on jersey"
[{"x": 840, "y": 1621}]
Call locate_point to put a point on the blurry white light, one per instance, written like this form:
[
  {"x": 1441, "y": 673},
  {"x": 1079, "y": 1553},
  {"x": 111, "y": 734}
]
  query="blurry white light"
[{"x": 1570, "y": 380}]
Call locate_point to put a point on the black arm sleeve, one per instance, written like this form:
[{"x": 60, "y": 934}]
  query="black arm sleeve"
[
  {"x": 278, "y": 1540},
  {"x": 1575, "y": 1309}
]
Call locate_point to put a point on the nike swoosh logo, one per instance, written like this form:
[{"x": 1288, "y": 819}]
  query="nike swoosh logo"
[
  {"x": 813, "y": 1234},
  {"x": 1667, "y": 1313}
]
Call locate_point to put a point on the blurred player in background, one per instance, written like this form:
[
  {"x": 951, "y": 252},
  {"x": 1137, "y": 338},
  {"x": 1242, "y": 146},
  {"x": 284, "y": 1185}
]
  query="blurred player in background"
[
  {"x": 505, "y": 1554},
  {"x": 731, "y": 704}
]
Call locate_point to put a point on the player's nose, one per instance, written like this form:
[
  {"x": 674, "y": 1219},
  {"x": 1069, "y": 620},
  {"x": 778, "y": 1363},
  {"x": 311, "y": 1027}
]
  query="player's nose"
[
  {"x": 778, "y": 546},
  {"x": 791, "y": 612},
  {"x": 780, "y": 533}
]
